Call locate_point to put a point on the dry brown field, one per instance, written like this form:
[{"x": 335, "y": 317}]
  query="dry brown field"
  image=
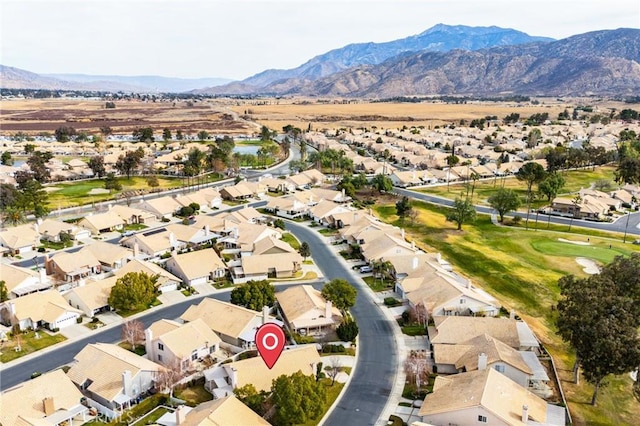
[
  {"x": 300, "y": 113},
  {"x": 231, "y": 116},
  {"x": 33, "y": 116}
]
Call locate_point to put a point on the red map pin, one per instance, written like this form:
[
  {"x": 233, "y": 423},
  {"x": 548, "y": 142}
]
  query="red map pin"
[{"x": 270, "y": 340}]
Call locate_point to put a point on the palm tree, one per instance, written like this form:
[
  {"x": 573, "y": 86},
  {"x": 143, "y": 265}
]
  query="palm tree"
[
  {"x": 576, "y": 201},
  {"x": 13, "y": 216}
]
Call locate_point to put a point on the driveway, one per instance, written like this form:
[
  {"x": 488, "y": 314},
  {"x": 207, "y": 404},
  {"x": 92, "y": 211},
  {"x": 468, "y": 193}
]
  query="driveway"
[
  {"x": 109, "y": 318},
  {"x": 171, "y": 297}
]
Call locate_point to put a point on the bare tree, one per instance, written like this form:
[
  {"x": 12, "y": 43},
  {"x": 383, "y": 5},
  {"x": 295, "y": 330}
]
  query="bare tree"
[
  {"x": 334, "y": 366},
  {"x": 132, "y": 332},
  {"x": 168, "y": 377},
  {"x": 419, "y": 314},
  {"x": 417, "y": 368}
]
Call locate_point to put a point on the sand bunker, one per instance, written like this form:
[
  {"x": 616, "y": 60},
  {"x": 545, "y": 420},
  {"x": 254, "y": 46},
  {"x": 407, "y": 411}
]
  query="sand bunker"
[
  {"x": 98, "y": 191},
  {"x": 588, "y": 265},
  {"x": 580, "y": 243}
]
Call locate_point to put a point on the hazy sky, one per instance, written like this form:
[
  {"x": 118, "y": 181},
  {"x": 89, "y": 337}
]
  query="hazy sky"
[{"x": 238, "y": 38}]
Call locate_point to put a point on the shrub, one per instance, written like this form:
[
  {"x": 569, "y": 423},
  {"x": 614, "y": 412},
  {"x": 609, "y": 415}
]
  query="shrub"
[
  {"x": 79, "y": 320},
  {"x": 391, "y": 301},
  {"x": 347, "y": 331}
]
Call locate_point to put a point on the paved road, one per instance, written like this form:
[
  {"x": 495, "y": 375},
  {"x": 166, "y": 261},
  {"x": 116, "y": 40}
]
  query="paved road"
[
  {"x": 378, "y": 360},
  {"x": 633, "y": 226}
]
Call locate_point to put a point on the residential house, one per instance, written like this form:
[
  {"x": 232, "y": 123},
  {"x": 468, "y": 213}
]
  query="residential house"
[
  {"x": 338, "y": 197},
  {"x": 484, "y": 352},
  {"x": 262, "y": 267},
  {"x": 72, "y": 267},
  {"x": 603, "y": 197},
  {"x": 50, "y": 399},
  {"x": 235, "y": 325},
  {"x": 588, "y": 207},
  {"x": 486, "y": 397},
  {"x": 305, "y": 310},
  {"x": 321, "y": 212},
  {"x": 238, "y": 237},
  {"x": 180, "y": 345},
  {"x": 197, "y": 267},
  {"x": 110, "y": 256},
  {"x": 132, "y": 215},
  {"x": 154, "y": 243},
  {"x": 222, "y": 380},
  {"x": 269, "y": 245},
  {"x": 50, "y": 230},
  {"x": 161, "y": 208},
  {"x": 111, "y": 376},
  {"x": 455, "y": 330},
  {"x": 227, "y": 410},
  {"x": 166, "y": 281},
  {"x": 20, "y": 281},
  {"x": 44, "y": 309},
  {"x": 191, "y": 236},
  {"x": 381, "y": 244},
  {"x": 287, "y": 207},
  {"x": 20, "y": 239},
  {"x": 238, "y": 192},
  {"x": 93, "y": 297},
  {"x": 443, "y": 293},
  {"x": 102, "y": 222}
]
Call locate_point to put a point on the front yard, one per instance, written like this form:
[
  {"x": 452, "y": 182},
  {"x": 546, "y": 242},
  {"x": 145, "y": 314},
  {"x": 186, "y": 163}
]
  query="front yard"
[{"x": 28, "y": 343}]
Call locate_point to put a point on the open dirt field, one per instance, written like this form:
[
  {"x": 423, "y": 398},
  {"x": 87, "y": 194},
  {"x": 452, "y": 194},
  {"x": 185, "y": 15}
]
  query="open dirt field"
[
  {"x": 33, "y": 116},
  {"x": 300, "y": 113}
]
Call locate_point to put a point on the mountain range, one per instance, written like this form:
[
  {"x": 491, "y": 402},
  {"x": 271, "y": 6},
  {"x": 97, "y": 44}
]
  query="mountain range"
[{"x": 442, "y": 60}]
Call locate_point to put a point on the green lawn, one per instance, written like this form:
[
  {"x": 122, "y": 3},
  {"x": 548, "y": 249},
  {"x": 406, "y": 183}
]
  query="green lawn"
[
  {"x": 140, "y": 348},
  {"x": 414, "y": 330},
  {"x": 290, "y": 239},
  {"x": 194, "y": 395},
  {"x": 378, "y": 284},
  {"x": 29, "y": 344},
  {"x": 70, "y": 194},
  {"x": 328, "y": 231},
  {"x": 521, "y": 269},
  {"x": 135, "y": 227}
]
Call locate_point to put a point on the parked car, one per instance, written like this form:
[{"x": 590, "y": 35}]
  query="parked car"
[{"x": 366, "y": 269}]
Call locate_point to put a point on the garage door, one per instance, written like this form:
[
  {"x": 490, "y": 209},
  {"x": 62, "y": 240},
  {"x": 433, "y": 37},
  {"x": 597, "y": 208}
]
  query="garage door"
[{"x": 66, "y": 321}]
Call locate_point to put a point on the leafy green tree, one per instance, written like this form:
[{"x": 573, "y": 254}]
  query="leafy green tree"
[
  {"x": 127, "y": 163},
  {"x": 144, "y": 134},
  {"x": 179, "y": 135},
  {"x": 203, "y": 135},
  {"x": 4, "y": 293},
  {"x": 9, "y": 195},
  {"x": 347, "y": 186},
  {"x": 38, "y": 165},
  {"x": 628, "y": 170},
  {"x": 6, "y": 159},
  {"x": 531, "y": 173},
  {"x": 111, "y": 182},
  {"x": 341, "y": 294},
  {"x": 304, "y": 250},
  {"x": 265, "y": 134},
  {"x": 382, "y": 183},
  {"x": 252, "y": 398},
  {"x": 504, "y": 201},
  {"x": 96, "y": 164},
  {"x": 347, "y": 331},
  {"x": 297, "y": 399},
  {"x": 195, "y": 162},
  {"x": 551, "y": 185},
  {"x": 403, "y": 208},
  {"x": 598, "y": 317},
  {"x": 462, "y": 212},
  {"x": 29, "y": 148},
  {"x": 133, "y": 291},
  {"x": 33, "y": 197},
  {"x": 166, "y": 134},
  {"x": 254, "y": 295},
  {"x": 153, "y": 181},
  {"x": 64, "y": 133},
  {"x": 534, "y": 136}
]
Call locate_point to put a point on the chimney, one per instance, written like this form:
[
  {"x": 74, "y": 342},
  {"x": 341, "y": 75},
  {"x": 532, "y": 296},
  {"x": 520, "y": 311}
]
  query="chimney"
[
  {"x": 136, "y": 249},
  {"x": 206, "y": 229},
  {"x": 414, "y": 264},
  {"x": 233, "y": 377},
  {"x": 148, "y": 344},
  {"x": 127, "y": 383},
  {"x": 48, "y": 406},
  {"x": 48, "y": 265},
  {"x": 39, "y": 221},
  {"x": 327, "y": 310},
  {"x": 181, "y": 415},
  {"x": 110, "y": 206},
  {"x": 265, "y": 314},
  {"x": 43, "y": 275},
  {"x": 525, "y": 414},
  {"x": 355, "y": 217},
  {"x": 36, "y": 227},
  {"x": 468, "y": 284},
  {"x": 482, "y": 361},
  {"x": 512, "y": 314},
  {"x": 402, "y": 233},
  {"x": 172, "y": 239}
]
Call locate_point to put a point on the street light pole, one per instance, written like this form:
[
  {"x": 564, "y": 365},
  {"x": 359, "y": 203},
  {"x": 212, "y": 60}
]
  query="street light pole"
[{"x": 624, "y": 240}]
